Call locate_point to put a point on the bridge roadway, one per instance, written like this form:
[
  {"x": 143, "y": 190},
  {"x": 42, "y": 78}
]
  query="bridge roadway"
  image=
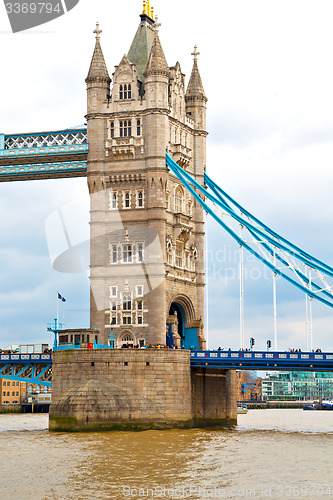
[
  {"x": 45, "y": 155},
  {"x": 37, "y": 368},
  {"x": 263, "y": 360}
]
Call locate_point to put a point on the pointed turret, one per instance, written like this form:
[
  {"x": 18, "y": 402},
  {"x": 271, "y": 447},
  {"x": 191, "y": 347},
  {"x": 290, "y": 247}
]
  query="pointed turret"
[
  {"x": 98, "y": 70},
  {"x": 195, "y": 87},
  {"x": 195, "y": 97},
  {"x": 157, "y": 75},
  {"x": 157, "y": 62}
]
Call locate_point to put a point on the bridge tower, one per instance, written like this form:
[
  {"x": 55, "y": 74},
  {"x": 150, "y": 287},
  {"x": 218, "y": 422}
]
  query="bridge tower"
[{"x": 147, "y": 232}]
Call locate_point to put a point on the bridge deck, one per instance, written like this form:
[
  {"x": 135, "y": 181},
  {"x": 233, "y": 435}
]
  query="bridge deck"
[
  {"x": 46, "y": 155},
  {"x": 262, "y": 360}
]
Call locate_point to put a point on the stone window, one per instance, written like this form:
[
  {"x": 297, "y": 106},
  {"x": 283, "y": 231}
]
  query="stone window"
[
  {"x": 113, "y": 320},
  {"x": 113, "y": 291},
  {"x": 127, "y": 320},
  {"x": 179, "y": 195},
  {"x": 114, "y": 254},
  {"x": 138, "y": 127},
  {"x": 112, "y": 130},
  {"x": 139, "y": 252},
  {"x": 125, "y": 91},
  {"x": 125, "y": 128},
  {"x": 127, "y": 199},
  {"x": 139, "y": 198},
  {"x": 113, "y": 306},
  {"x": 139, "y": 320},
  {"x": 139, "y": 290},
  {"x": 140, "y": 305},
  {"x": 113, "y": 200},
  {"x": 127, "y": 339},
  {"x": 179, "y": 255},
  {"x": 127, "y": 253},
  {"x": 127, "y": 302}
]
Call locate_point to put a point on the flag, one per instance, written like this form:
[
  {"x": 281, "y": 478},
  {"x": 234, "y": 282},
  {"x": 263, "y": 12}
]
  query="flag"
[{"x": 61, "y": 298}]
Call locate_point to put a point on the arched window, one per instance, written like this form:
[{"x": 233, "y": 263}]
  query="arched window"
[{"x": 179, "y": 200}]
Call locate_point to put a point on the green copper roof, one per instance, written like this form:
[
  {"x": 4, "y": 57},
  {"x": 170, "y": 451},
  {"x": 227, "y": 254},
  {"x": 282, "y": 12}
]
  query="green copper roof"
[{"x": 141, "y": 46}]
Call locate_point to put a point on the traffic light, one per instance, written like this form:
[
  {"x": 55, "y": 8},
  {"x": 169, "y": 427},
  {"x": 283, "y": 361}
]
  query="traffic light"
[
  {"x": 269, "y": 344},
  {"x": 252, "y": 342}
]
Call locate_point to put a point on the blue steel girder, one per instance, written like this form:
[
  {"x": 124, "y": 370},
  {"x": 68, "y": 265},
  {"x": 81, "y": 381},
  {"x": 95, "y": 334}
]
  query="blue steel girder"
[
  {"x": 43, "y": 171},
  {"x": 30, "y": 368},
  {"x": 45, "y": 155},
  {"x": 262, "y": 360}
]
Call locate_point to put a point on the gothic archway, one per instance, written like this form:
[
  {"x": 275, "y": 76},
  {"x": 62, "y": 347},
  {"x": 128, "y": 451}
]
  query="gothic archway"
[{"x": 179, "y": 324}]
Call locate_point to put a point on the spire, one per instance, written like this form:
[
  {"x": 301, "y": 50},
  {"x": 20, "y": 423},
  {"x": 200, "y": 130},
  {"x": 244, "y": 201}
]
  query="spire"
[
  {"x": 195, "y": 87},
  {"x": 157, "y": 62},
  {"x": 142, "y": 43},
  {"x": 98, "y": 69}
]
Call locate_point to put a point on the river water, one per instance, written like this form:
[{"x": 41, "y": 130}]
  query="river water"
[{"x": 270, "y": 454}]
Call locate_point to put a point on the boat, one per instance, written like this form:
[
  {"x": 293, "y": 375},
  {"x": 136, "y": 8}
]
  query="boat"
[
  {"x": 241, "y": 409},
  {"x": 323, "y": 405}
]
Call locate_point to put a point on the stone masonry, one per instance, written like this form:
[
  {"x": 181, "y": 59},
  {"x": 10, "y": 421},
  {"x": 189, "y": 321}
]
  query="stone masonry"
[{"x": 136, "y": 389}]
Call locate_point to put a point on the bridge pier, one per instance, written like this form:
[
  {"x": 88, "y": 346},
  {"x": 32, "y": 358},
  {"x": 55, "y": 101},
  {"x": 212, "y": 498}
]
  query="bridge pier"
[
  {"x": 214, "y": 396},
  {"x": 137, "y": 389}
]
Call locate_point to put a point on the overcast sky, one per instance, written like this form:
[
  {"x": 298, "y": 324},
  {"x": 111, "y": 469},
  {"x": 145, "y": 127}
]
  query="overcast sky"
[{"x": 267, "y": 71}]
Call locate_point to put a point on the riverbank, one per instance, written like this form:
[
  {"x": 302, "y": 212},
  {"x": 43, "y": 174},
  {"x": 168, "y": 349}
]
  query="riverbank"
[{"x": 263, "y": 405}]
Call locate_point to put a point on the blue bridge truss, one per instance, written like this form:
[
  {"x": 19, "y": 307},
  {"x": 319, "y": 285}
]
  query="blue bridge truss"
[
  {"x": 43, "y": 155},
  {"x": 30, "y": 368}
]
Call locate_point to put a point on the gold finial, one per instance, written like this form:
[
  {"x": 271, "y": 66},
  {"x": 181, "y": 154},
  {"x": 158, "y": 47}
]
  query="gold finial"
[
  {"x": 97, "y": 31},
  {"x": 147, "y": 10},
  {"x": 195, "y": 53}
]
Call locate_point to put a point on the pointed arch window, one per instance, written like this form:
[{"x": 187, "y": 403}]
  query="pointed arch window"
[{"x": 179, "y": 199}]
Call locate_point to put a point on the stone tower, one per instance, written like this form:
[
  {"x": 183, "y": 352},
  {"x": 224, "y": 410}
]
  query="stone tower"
[{"x": 147, "y": 231}]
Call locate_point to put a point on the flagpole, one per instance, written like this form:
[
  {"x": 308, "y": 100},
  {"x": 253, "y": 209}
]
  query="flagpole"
[{"x": 57, "y": 310}]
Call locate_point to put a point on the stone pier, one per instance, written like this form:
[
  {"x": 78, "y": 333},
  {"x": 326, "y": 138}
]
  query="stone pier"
[{"x": 137, "y": 389}]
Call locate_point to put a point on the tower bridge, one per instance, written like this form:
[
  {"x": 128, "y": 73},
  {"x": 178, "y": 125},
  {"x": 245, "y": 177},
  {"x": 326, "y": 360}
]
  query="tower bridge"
[{"x": 144, "y": 155}]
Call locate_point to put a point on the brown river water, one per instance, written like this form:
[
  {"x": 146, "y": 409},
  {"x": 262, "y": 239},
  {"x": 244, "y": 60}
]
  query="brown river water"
[{"x": 270, "y": 454}]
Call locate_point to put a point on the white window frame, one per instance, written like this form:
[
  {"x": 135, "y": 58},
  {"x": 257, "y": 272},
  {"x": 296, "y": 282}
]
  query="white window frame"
[
  {"x": 128, "y": 248},
  {"x": 138, "y": 192},
  {"x": 113, "y": 291},
  {"x": 113, "y": 253},
  {"x": 139, "y": 290},
  {"x": 125, "y": 193},
  {"x": 140, "y": 251},
  {"x": 113, "y": 200}
]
